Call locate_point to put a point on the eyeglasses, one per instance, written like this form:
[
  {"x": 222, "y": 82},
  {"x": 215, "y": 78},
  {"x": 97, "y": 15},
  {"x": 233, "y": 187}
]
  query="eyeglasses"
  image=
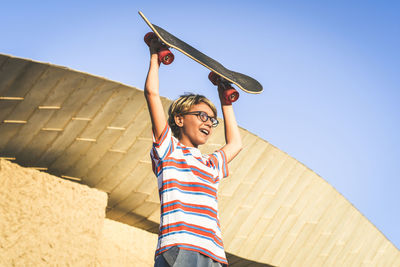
[{"x": 203, "y": 117}]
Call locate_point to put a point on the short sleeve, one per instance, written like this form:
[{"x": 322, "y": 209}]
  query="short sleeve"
[
  {"x": 218, "y": 159},
  {"x": 163, "y": 147}
]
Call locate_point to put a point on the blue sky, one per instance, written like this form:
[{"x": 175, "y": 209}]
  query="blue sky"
[{"x": 330, "y": 73}]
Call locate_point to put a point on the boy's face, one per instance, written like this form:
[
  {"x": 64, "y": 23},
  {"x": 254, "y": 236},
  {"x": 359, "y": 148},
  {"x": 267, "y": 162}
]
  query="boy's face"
[{"x": 194, "y": 131}]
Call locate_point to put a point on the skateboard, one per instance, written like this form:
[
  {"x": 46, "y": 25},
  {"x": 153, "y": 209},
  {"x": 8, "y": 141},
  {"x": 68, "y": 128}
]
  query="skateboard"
[{"x": 219, "y": 75}]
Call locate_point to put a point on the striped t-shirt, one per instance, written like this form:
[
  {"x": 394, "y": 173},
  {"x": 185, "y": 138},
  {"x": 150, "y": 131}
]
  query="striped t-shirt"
[{"x": 188, "y": 183}]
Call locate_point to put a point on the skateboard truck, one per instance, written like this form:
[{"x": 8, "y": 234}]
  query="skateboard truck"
[
  {"x": 164, "y": 54},
  {"x": 229, "y": 93}
]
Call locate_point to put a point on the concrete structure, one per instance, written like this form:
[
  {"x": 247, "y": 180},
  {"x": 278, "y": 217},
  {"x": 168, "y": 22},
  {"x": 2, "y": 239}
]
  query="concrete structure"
[
  {"x": 274, "y": 210},
  {"x": 47, "y": 221}
]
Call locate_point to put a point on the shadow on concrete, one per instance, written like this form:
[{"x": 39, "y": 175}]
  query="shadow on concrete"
[{"x": 239, "y": 261}]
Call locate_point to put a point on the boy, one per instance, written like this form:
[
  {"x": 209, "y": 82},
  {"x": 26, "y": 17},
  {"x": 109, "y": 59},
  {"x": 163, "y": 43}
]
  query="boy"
[{"x": 189, "y": 233}]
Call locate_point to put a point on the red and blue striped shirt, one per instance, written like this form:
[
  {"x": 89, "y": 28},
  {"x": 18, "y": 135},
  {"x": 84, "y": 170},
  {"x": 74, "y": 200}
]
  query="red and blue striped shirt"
[{"x": 188, "y": 183}]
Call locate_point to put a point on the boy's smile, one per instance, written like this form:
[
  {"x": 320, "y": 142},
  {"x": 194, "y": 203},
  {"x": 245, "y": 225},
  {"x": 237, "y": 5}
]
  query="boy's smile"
[
  {"x": 205, "y": 131},
  {"x": 194, "y": 131}
]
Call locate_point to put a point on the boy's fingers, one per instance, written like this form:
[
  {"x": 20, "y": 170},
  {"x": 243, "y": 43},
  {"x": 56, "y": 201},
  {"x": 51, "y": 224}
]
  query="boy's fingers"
[{"x": 155, "y": 43}]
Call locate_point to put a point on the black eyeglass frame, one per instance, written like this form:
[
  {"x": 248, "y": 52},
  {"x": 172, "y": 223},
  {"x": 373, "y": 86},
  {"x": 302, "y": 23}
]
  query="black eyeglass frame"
[{"x": 203, "y": 116}]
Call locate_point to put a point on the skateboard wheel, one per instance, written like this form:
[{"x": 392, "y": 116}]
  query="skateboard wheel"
[
  {"x": 213, "y": 77},
  {"x": 165, "y": 56},
  {"x": 231, "y": 95},
  {"x": 148, "y": 37}
]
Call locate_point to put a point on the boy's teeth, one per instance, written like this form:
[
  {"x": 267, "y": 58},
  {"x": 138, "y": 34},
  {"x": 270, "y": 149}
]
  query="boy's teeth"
[{"x": 204, "y": 131}]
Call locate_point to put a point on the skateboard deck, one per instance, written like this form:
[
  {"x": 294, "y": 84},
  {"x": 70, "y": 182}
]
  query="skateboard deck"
[{"x": 244, "y": 82}]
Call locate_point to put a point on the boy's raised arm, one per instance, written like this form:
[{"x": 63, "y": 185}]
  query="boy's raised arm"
[
  {"x": 232, "y": 135},
  {"x": 152, "y": 94}
]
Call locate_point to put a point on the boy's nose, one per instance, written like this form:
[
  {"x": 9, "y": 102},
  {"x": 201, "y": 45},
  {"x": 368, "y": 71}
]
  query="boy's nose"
[{"x": 208, "y": 123}]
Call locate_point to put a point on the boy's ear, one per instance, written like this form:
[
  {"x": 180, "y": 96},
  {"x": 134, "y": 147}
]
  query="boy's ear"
[{"x": 179, "y": 120}]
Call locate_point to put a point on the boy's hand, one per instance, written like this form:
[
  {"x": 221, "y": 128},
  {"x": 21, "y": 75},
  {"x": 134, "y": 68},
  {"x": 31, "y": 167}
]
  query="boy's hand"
[
  {"x": 227, "y": 94},
  {"x": 155, "y": 45},
  {"x": 221, "y": 89}
]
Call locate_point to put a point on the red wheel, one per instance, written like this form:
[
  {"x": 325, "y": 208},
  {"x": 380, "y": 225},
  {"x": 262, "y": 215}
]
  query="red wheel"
[
  {"x": 213, "y": 77},
  {"x": 231, "y": 95},
  {"x": 165, "y": 56},
  {"x": 148, "y": 37}
]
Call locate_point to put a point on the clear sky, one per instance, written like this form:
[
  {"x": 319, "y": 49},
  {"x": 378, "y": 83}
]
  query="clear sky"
[{"x": 330, "y": 73}]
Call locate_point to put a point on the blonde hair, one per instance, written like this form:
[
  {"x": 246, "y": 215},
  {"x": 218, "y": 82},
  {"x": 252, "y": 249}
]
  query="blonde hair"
[{"x": 183, "y": 104}]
